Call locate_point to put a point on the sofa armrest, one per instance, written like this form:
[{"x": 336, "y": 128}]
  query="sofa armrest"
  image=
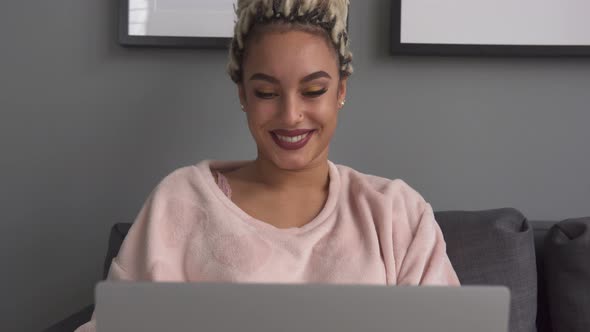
[
  {"x": 74, "y": 321},
  {"x": 118, "y": 233}
]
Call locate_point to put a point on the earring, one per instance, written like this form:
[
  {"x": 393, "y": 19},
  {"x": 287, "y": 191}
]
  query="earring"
[
  {"x": 242, "y": 106},
  {"x": 342, "y": 103}
]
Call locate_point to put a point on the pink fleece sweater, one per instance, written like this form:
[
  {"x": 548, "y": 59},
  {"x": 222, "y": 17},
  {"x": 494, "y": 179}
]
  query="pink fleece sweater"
[{"x": 371, "y": 230}]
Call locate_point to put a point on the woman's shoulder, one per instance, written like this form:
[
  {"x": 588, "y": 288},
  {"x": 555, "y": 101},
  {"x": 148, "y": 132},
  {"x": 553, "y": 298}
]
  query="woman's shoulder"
[
  {"x": 391, "y": 188},
  {"x": 177, "y": 177},
  {"x": 183, "y": 180},
  {"x": 197, "y": 179}
]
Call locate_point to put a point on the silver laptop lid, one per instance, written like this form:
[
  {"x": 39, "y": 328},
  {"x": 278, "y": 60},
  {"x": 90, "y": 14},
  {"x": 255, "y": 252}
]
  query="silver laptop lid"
[{"x": 212, "y": 307}]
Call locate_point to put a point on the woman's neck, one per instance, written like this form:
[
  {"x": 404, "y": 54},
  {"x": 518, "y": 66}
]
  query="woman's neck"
[{"x": 316, "y": 175}]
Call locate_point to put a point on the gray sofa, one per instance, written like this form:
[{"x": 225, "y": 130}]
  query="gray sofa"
[{"x": 545, "y": 264}]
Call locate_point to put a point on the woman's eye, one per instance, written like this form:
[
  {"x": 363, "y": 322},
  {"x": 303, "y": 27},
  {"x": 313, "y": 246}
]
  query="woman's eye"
[
  {"x": 315, "y": 93},
  {"x": 265, "y": 95}
]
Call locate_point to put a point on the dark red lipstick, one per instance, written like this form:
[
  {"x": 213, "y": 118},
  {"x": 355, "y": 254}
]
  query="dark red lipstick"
[{"x": 292, "y": 139}]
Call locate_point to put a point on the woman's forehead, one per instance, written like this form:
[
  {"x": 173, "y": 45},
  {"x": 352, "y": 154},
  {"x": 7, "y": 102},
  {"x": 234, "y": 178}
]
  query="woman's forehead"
[{"x": 292, "y": 53}]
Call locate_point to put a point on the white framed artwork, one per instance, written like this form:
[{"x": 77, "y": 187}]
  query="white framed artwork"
[
  {"x": 176, "y": 23},
  {"x": 491, "y": 27}
]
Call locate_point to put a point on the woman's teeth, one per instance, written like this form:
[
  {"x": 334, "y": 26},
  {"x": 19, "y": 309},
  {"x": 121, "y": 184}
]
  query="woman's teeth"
[{"x": 293, "y": 139}]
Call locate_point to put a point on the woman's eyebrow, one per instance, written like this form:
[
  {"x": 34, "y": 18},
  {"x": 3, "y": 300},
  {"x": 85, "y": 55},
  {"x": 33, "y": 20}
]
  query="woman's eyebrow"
[
  {"x": 308, "y": 78},
  {"x": 316, "y": 75},
  {"x": 264, "y": 77}
]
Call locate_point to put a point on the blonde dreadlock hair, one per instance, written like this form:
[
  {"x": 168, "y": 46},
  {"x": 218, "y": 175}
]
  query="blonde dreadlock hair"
[{"x": 330, "y": 16}]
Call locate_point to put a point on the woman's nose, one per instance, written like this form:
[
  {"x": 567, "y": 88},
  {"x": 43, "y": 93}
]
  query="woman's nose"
[{"x": 291, "y": 111}]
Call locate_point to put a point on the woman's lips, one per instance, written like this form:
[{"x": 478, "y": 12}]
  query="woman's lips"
[
  {"x": 294, "y": 140},
  {"x": 291, "y": 133}
]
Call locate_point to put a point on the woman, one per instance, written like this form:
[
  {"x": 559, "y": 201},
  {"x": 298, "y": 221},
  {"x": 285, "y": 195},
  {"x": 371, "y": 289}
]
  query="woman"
[{"x": 290, "y": 215}]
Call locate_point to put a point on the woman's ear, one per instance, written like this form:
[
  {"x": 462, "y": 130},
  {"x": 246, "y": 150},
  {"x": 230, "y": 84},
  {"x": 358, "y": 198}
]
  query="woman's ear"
[
  {"x": 242, "y": 95},
  {"x": 342, "y": 89}
]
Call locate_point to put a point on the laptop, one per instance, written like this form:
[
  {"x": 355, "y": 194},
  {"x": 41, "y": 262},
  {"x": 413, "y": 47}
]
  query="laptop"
[{"x": 229, "y": 307}]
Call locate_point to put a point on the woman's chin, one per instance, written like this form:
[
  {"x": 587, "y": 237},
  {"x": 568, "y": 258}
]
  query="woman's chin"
[
  {"x": 292, "y": 160},
  {"x": 291, "y": 164}
]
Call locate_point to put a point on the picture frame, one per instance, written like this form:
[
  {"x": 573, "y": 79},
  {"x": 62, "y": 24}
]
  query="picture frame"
[
  {"x": 176, "y": 23},
  {"x": 483, "y": 28}
]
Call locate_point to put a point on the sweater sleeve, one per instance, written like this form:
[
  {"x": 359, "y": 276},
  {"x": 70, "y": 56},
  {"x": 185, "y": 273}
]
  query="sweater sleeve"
[
  {"x": 152, "y": 249},
  {"x": 115, "y": 273},
  {"x": 425, "y": 260}
]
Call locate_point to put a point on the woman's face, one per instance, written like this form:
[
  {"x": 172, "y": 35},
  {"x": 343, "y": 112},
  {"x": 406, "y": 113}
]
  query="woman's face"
[{"x": 291, "y": 93}]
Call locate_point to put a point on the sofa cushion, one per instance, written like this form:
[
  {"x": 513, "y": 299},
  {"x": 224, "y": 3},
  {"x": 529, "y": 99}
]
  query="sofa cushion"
[
  {"x": 541, "y": 229},
  {"x": 567, "y": 274},
  {"x": 495, "y": 247}
]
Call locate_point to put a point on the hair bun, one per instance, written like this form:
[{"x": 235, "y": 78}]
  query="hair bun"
[{"x": 331, "y": 15}]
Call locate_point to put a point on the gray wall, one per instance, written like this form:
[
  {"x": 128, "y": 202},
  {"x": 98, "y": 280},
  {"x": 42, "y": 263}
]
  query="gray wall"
[{"x": 88, "y": 128}]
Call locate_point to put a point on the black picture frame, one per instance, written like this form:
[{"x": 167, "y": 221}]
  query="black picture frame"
[
  {"x": 400, "y": 48},
  {"x": 163, "y": 41}
]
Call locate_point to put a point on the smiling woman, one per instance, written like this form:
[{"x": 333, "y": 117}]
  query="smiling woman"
[
  {"x": 291, "y": 93},
  {"x": 289, "y": 215}
]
